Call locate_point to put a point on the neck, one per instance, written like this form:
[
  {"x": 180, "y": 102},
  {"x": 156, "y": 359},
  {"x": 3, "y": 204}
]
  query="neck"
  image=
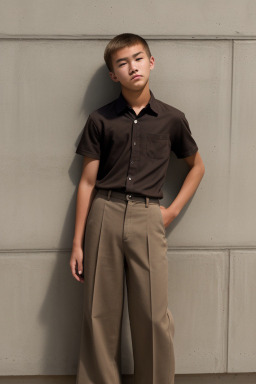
[{"x": 137, "y": 99}]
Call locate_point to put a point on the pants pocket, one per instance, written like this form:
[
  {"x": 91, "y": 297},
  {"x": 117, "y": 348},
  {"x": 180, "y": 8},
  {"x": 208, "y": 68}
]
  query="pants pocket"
[{"x": 161, "y": 218}]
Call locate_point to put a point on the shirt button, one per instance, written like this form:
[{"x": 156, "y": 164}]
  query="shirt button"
[
  {"x": 134, "y": 143},
  {"x": 135, "y": 121},
  {"x": 129, "y": 178},
  {"x": 132, "y": 162}
]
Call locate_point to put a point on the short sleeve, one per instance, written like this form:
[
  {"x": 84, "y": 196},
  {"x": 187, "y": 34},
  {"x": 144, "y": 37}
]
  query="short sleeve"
[
  {"x": 89, "y": 144},
  {"x": 183, "y": 144}
]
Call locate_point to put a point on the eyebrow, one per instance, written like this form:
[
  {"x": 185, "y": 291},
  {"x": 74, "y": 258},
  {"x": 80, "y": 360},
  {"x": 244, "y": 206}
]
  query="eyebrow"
[{"x": 125, "y": 58}]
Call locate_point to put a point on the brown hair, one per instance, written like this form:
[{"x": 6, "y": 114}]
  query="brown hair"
[{"x": 122, "y": 41}]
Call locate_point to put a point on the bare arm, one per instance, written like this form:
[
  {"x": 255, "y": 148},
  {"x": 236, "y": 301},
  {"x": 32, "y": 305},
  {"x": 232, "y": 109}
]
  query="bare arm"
[
  {"x": 85, "y": 195},
  {"x": 187, "y": 190}
]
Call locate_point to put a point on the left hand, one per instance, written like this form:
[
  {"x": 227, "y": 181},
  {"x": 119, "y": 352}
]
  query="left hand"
[{"x": 168, "y": 215}]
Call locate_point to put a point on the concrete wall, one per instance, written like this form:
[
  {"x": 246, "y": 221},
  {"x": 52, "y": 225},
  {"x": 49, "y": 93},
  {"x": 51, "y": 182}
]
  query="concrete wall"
[{"x": 52, "y": 74}]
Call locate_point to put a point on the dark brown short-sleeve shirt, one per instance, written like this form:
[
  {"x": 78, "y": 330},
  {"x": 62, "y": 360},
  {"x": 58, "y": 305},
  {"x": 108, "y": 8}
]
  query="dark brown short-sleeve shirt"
[{"x": 134, "y": 150}]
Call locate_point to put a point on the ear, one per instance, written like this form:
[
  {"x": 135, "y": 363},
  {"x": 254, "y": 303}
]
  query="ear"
[
  {"x": 151, "y": 62},
  {"x": 113, "y": 77}
]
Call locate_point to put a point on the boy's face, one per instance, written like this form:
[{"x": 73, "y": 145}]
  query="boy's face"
[{"x": 131, "y": 67}]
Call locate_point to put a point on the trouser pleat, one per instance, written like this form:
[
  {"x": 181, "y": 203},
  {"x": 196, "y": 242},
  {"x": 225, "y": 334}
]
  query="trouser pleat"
[{"x": 147, "y": 289}]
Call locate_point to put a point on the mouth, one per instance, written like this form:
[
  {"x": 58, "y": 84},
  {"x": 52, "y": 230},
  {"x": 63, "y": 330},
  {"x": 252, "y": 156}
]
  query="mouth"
[{"x": 136, "y": 77}]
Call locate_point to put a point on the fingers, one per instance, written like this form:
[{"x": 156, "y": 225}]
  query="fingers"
[
  {"x": 73, "y": 263},
  {"x": 80, "y": 272},
  {"x": 79, "y": 267}
]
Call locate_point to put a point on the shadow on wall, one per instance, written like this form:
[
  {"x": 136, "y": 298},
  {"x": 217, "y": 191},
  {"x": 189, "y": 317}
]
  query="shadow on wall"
[{"x": 61, "y": 311}]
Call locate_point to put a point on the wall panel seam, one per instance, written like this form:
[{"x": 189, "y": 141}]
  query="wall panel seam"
[
  {"x": 231, "y": 106},
  {"x": 172, "y": 249},
  {"x": 108, "y": 37}
]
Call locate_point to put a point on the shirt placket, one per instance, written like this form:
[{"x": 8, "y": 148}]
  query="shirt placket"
[{"x": 133, "y": 163}]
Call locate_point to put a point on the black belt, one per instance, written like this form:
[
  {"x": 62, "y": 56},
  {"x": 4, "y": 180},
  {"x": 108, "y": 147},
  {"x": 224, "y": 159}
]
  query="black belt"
[{"x": 127, "y": 196}]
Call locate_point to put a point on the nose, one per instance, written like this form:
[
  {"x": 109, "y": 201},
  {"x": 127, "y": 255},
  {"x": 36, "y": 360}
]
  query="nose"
[{"x": 132, "y": 67}]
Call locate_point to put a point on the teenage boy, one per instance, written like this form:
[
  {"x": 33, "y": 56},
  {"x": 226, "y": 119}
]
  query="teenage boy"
[{"x": 126, "y": 146}]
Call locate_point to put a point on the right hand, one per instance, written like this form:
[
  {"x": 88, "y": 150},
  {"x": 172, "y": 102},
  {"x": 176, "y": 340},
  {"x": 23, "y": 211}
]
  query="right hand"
[{"x": 76, "y": 263}]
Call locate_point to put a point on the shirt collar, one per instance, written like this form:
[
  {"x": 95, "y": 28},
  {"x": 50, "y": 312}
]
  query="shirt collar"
[{"x": 121, "y": 103}]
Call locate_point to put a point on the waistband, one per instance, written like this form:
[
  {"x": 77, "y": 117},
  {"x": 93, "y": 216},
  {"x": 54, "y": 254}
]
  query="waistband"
[{"x": 127, "y": 196}]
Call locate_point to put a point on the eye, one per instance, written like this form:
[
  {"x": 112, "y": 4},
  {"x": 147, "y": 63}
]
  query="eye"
[
  {"x": 139, "y": 58},
  {"x": 121, "y": 64}
]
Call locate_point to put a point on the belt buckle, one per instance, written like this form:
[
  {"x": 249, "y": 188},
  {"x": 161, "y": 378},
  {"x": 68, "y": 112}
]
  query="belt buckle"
[{"x": 128, "y": 196}]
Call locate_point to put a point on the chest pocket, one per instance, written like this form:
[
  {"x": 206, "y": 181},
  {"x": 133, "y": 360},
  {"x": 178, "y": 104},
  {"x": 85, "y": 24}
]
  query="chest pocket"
[{"x": 157, "y": 146}]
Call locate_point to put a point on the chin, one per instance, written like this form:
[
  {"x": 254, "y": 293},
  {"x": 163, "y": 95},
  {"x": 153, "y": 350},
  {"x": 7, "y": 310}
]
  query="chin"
[{"x": 139, "y": 85}]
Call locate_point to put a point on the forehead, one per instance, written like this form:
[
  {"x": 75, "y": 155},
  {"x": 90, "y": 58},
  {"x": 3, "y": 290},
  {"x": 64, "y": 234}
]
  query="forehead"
[{"x": 127, "y": 52}]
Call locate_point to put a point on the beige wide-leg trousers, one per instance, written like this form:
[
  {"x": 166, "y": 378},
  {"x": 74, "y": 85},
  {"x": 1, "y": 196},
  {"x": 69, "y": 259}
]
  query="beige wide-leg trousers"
[{"x": 125, "y": 237}]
